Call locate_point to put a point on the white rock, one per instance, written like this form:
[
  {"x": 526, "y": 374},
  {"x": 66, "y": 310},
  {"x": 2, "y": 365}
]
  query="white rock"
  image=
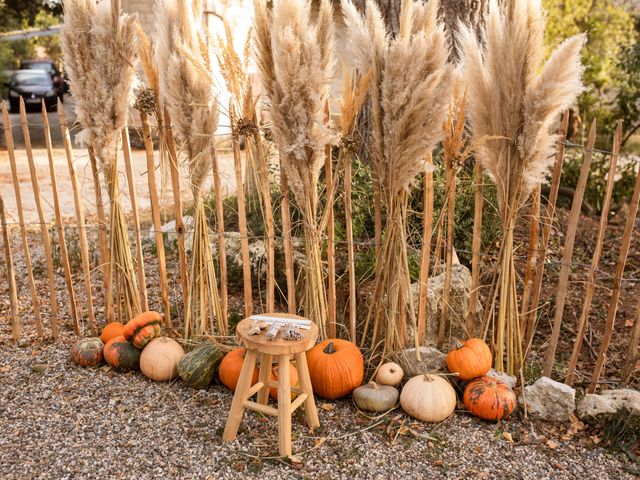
[
  {"x": 171, "y": 236},
  {"x": 609, "y": 401},
  {"x": 503, "y": 377},
  {"x": 550, "y": 400},
  {"x": 431, "y": 360}
]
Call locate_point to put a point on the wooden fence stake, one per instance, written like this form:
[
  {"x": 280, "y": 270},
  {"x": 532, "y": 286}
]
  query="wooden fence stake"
[
  {"x": 44, "y": 230},
  {"x": 331, "y": 247},
  {"x": 177, "y": 205},
  {"x": 16, "y": 326},
  {"x": 222, "y": 252},
  {"x": 268, "y": 213},
  {"x": 348, "y": 216},
  {"x": 64, "y": 255},
  {"x": 8, "y": 134},
  {"x": 133, "y": 196},
  {"x": 615, "y": 295},
  {"x": 632, "y": 352},
  {"x": 595, "y": 261},
  {"x": 427, "y": 233},
  {"x": 80, "y": 221},
  {"x": 476, "y": 247},
  {"x": 242, "y": 216},
  {"x": 547, "y": 222},
  {"x": 567, "y": 253},
  {"x": 448, "y": 244},
  {"x": 157, "y": 224}
]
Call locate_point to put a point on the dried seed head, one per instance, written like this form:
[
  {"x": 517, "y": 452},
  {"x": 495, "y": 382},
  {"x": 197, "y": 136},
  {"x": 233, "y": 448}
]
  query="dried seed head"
[{"x": 146, "y": 101}]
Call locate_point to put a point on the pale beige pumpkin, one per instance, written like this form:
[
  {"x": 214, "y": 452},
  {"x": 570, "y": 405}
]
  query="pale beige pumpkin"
[
  {"x": 389, "y": 373},
  {"x": 159, "y": 359},
  {"x": 429, "y": 398}
]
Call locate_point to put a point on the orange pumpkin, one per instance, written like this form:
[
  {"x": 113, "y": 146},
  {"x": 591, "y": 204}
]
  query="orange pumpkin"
[
  {"x": 489, "y": 399},
  {"x": 293, "y": 380},
  {"x": 230, "y": 367},
  {"x": 470, "y": 360},
  {"x": 143, "y": 328},
  {"x": 111, "y": 330},
  {"x": 336, "y": 368},
  {"x": 122, "y": 355}
]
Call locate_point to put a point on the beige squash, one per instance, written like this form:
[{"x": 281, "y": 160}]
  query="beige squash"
[
  {"x": 376, "y": 398},
  {"x": 429, "y": 398},
  {"x": 389, "y": 373},
  {"x": 159, "y": 359}
]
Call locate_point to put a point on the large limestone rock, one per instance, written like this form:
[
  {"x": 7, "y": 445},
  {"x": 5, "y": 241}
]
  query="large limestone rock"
[
  {"x": 609, "y": 401},
  {"x": 503, "y": 377},
  {"x": 550, "y": 400},
  {"x": 431, "y": 360}
]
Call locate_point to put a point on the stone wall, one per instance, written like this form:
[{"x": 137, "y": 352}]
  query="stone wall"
[{"x": 145, "y": 11}]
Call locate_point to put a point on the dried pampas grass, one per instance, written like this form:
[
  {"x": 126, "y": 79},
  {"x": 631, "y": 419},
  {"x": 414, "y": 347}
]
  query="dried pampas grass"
[
  {"x": 97, "y": 41},
  {"x": 515, "y": 99},
  {"x": 411, "y": 83},
  {"x": 295, "y": 57},
  {"x": 186, "y": 89}
]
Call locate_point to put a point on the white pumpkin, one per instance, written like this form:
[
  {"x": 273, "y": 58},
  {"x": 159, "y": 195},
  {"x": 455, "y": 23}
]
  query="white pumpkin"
[
  {"x": 429, "y": 398},
  {"x": 389, "y": 373},
  {"x": 159, "y": 359}
]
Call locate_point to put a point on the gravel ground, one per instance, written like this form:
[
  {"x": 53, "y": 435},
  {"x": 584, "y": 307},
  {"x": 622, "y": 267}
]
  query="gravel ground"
[{"x": 61, "y": 421}]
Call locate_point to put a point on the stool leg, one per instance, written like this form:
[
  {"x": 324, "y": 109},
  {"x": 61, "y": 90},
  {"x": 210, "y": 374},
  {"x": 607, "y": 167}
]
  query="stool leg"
[
  {"x": 310, "y": 409},
  {"x": 265, "y": 377},
  {"x": 242, "y": 389},
  {"x": 284, "y": 406}
]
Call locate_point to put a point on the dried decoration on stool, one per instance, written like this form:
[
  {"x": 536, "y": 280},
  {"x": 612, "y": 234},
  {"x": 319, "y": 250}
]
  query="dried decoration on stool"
[
  {"x": 291, "y": 332},
  {"x": 255, "y": 327},
  {"x": 272, "y": 333}
]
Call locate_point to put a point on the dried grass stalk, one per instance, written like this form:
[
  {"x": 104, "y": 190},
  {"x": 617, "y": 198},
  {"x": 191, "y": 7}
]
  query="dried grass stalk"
[
  {"x": 515, "y": 99},
  {"x": 295, "y": 59},
  {"x": 411, "y": 82}
]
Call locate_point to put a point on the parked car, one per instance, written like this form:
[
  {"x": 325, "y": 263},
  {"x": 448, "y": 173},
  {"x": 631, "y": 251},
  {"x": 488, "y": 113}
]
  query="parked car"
[
  {"x": 33, "y": 86},
  {"x": 46, "y": 66}
]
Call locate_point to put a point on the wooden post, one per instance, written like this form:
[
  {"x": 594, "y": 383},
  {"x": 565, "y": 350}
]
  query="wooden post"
[
  {"x": 615, "y": 295},
  {"x": 632, "y": 352},
  {"x": 268, "y": 213},
  {"x": 16, "y": 327},
  {"x": 222, "y": 252},
  {"x": 155, "y": 214},
  {"x": 331, "y": 247},
  {"x": 177, "y": 205},
  {"x": 242, "y": 216},
  {"x": 567, "y": 253},
  {"x": 77, "y": 203},
  {"x": 8, "y": 135},
  {"x": 595, "y": 260},
  {"x": 476, "y": 247},
  {"x": 448, "y": 244},
  {"x": 348, "y": 216},
  {"x": 427, "y": 227},
  {"x": 546, "y": 233},
  {"x": 60, "y": 229},
  {"x": 133, "y": 196},
  {"x": 44, "y": 230}
]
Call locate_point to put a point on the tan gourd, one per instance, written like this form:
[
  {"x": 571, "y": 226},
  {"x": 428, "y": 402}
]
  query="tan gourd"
[
  {"x": 159, "y": 359},
  {"x": 429, "y": 398},
  {"x": 389, "y": 373}
]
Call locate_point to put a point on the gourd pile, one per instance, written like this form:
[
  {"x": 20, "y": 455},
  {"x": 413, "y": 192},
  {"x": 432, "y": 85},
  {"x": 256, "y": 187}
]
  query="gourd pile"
[{"x": 336, "y": 369}]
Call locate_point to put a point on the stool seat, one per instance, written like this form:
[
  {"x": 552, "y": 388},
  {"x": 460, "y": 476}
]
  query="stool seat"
[
  {"x": 277, "y": 346},
  {"x": 283, "y": 350}
]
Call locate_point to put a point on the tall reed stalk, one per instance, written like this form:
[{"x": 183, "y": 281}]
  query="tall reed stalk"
[
  {"x": 515, "y": 100},
  {"x": 411, "y": 83}
]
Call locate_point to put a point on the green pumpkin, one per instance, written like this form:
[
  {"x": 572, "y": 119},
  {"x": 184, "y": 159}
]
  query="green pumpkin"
[{"x": 197, "y": 367}]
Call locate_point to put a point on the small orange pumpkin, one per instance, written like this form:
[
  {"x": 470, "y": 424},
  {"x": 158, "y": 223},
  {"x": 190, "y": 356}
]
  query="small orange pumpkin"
[
  {"x": 293, "y": 379},
  {"x": 489, "y": 399},
  {"x": 143, "y": 328},
  {"x": 230, "y": 367},
  {"x": 470, "y": 360},
  {"x": 111, "y": 330},
  {"x": 336, "y": 368}
]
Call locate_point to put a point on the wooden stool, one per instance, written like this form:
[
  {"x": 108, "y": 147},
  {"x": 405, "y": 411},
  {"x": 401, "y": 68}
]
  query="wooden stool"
[{"x": 283, "y": 349}]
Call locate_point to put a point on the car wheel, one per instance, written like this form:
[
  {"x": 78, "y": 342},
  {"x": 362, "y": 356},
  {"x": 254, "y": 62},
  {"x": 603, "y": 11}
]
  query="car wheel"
[{"x": 13, "y": 105}]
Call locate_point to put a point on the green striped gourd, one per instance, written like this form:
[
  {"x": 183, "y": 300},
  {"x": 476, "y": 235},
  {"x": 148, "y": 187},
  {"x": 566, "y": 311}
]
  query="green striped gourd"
[{"x": 197, "y": 367}]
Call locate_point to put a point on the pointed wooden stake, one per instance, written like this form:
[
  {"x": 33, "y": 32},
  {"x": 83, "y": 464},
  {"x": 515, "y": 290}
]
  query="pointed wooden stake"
[
  {"x": 615, "y": 294},
  {"x": 80, "y": 221},
  {"x": 133, "y": 197},
  {"x": 44, "y": 230},
  {"x": 427, "y": 233},
  {"x": 632, "y": 352},
  {"x": 476, "y": 247},
  {"x": 64, "y": 256},
  {"x": 448, "y": 245},
  {"x": 8, "y": 134},
  {"x": 222, "y": 252},
  {"x": 595, "y": 260},
  {"x": 16, "y": 325},
  {"x": 567, "y": 253},
  {"x": 157, "y": 224}
]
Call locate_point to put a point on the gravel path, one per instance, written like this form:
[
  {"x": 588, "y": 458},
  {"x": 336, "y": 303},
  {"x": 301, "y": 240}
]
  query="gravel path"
[{"x": 61, "y": 421}]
